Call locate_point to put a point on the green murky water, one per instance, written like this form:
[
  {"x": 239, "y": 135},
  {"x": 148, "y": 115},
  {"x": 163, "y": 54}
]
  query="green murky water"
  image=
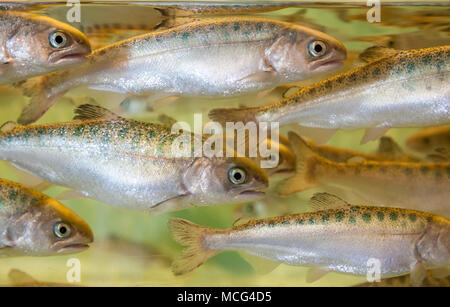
[{"x": 136, "y": 248}]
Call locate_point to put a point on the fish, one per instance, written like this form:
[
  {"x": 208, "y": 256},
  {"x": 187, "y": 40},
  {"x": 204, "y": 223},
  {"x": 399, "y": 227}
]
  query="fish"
[
  {"x": 388, "y": 150},
  {"x": 429, "y": 139},
  {"x": 335, "y": 236},
  {"x": 33, "y": 224},
  {"x": 413, "y": 83},
  {"x": 411, "y": 185},
  {"x": 210, "y": 57},
  {"x": 33, "y": 45},
  {"x": 405, "y": 281},
  {"x": 19, "y": 278},
  {"x": 129, "y": 164}
]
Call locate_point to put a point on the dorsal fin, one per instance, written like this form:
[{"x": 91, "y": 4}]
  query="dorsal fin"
[
  {"x": 374, "y": 53},
  {"x": 388, "y": 147},
  {"x": 8, "y": 126},
  {"x": 90, "y": 112},
  {"x": 324, "y": 201},
  {"x": 17, "y": 277}
]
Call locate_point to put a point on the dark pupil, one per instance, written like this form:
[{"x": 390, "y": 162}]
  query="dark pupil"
[
  {"x": 63, "y": 230},
  {"x": 59, "y": 39},
  {"x": 237, "y": 176},
  {"x": 318, "y": 48}
]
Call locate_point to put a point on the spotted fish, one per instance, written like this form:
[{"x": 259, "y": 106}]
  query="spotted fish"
[
  {"x": 396, "y": 89},
  {"x": 340, "y": 238}
]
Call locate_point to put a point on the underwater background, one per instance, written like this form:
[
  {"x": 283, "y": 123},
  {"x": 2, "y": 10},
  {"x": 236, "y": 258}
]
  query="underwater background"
[{"x": 135, "y": 248}]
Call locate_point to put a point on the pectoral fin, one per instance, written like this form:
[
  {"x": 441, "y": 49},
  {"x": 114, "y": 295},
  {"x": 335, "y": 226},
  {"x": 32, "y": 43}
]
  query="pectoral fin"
[
  {"x": 373, "y": 134},
  {"x": 315, "y": 274},
  {"x": 260, "y": 265},
  {"x": 317, "y": 135},
  {"x": 172, "y": 204},
  {"x": 17, "y": 277},
  {"x": 418, "y": 274}
]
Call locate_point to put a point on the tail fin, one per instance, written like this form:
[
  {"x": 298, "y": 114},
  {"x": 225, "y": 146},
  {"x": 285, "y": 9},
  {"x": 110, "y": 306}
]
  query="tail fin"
[
  {"x": 192, "y": 236},
  {"x": 234, "y": 115},
  {"x": 302, "y": 179},
  {"x": 41, "y": 99}
]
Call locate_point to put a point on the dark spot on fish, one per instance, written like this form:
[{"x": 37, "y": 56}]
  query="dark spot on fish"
[
  {"x": 286, "y": 222},
  {"x": 393, "y": 216},
  {"x": 383, "y": 169},
  {"x": 352, "y": 219},
  {"x": 312, "y": 221},
  {"x": 408, "y": 171},
  {"x": 340, "y": 216},
  {"x": 424, "y": 170},
  {"x": 123, "y": 132},
  {"x": 300, "y": 221},
  {"x": 13, "y": 195},
  {"x": 150, "y": 135},
  {"x": 236, "y": 26},
  {"x": 438, "y": 175},
  {"x": 412, "y": 217},
  {"x": 97, "y": 27},
  {"x": 94, "y": 130},
  {"x": 366, "y": 217},
  {"x": 380, "y": 216},
  {"x": 376, "y": 72},
  {"x": 78, "y": 131},
  {"x": 271, "y": 224},
  {"x": 410, "y": 67},
  {"x": 325, "y": 217},
  {"x": 258, "y": 26},
  {"x": 354, "y": 208},
  {"x": 429, "y": 219},
  {"x": 62, "y": 131},
  {"x": 426, "y": 59},
  {"x": 185, "y": 36}
]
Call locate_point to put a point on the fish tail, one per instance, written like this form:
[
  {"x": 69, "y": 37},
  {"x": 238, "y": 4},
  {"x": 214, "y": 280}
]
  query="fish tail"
[
  {"x": 41, "y": 99},
  {"x": 303, "y": 178},
  {"x": 233, "y": 115},
  {"x": 196, "y": 252}
]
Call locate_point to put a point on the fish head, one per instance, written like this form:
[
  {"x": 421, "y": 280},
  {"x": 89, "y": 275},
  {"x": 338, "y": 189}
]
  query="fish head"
[
  {"x": 52, "y": 229},
  {"x": 48, "y": 45},
  {"x": 225, "y": 180},
  {"x": 434, "y": 245},
  {"x": 302, "y": 53},
  {"x": 284, "y": 161}
]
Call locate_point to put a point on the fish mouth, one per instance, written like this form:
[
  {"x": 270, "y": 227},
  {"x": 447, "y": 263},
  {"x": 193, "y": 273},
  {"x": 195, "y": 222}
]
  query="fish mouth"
[
  {"x": 326, "y": 65},
  {"x": 71, "y": 56},
  {"x": 71, "y": 248},
  {"x": 252, "y": 193}
]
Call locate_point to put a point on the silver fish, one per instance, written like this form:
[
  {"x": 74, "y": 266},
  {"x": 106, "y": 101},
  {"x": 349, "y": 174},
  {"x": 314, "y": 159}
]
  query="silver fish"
[
  {"x": 128, "y": 163},
  {"x": 341, "y": 238},
  {"x": 33, "y": 224},
  {"x": 32, "y": 45},
  {"x": 397, "y": 89},
  {"x": 208, "y": 57}
]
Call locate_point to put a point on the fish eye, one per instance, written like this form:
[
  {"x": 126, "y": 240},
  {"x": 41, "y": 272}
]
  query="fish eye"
[
  {"x": 317, "y": 48},
  {"x": 58, "y": 39},
  {"x": 62, "y": 230},
  {"x": 237, "y": 175}
]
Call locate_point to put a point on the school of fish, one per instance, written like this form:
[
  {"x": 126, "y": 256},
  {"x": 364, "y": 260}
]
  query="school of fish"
[{"x": 391, "y": 204}]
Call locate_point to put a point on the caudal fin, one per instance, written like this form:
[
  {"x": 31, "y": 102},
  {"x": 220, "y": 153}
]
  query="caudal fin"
[
  {"x": 196, "y": 252},
  {"x": 233, "y": 115},
  {"x": 41, "y": 99},
  {"x": 302, "y": 179}
]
